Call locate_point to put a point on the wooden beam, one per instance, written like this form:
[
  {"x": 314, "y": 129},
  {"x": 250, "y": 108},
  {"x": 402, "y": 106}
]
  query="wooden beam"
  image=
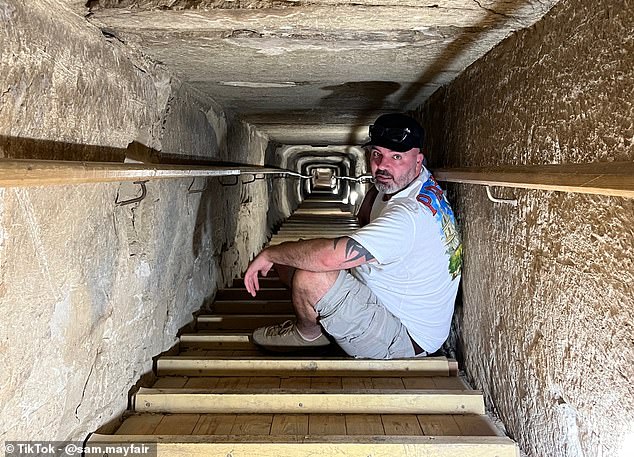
[
  {"x": 312, "y": 446},
  {"x": 296, "y": 401},
  {"x": 601, "y": 178},
  {"x": 203, "y": 341},
  {"x": 239, "y": 321},
  {"x": 21, "y": 173},
  {"x": 208, "y": 366},
  {"x": 253, "y": 306}
]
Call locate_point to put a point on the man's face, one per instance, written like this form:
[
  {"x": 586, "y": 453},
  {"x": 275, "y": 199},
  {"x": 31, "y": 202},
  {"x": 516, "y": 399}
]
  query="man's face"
[{"x": 393, "y": 171}]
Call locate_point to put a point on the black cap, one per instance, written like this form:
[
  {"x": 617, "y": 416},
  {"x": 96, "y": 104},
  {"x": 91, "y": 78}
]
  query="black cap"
[{"x": 397, "y": 132}]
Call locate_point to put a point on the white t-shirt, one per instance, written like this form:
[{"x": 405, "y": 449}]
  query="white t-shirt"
[{"x": 418, "y": 256}]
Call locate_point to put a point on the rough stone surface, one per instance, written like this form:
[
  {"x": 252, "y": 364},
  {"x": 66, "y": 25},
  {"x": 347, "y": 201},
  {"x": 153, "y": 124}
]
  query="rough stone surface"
[
  {"x": 329, "y": 60},
  {"x": 547, "y": 312},
  {"x": 90, "y": 292}
]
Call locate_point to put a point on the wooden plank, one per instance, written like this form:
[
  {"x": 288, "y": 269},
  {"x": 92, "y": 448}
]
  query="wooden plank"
[
  {"x": 360, "y": 383},
  {"x": 240, "y": 321},
  {"x": 263, "y": 294},
  {"x": 269, "y": 281},
  {"x": 144, "y": 424},
  {"x": 236, "y": 340},
  {"x": 170, "y": 382},
  {"x": 364, "y": 424},
  {"x": 253, "y": 306},
  {"x": 264, "y": 382},
  {"x": 271, "y": 400},
  {"x": 401, "y": 424},
  {"x": 20, "y": 173},
  {"x": 214, "y": 424},
  {"x": 295, "y": 382},
  {"x": 472, "y": 425},
  {"x": 177, "y": 424},
  {"x": 286, "y": 366},
  {"x": 232, "y": 382},
  {"x": 313, "y": 445},
  {"x": 327, "y": 424},
  {"x": 419, "y": 382},
  {"x": 252, "y": 353},
  {"x": 450, "y": 382},
  {"x": 601, "y": 178},
  {"x": 199, "y": 352},
  {"x": 201, "y": 382},
  {"x": 326, "y": 383},
  {"x": 289, "y": 424},
  {"x": 439, "y": 425},
  {"x": 388, "y": 383},
  {"x": 252, "y": 424}
]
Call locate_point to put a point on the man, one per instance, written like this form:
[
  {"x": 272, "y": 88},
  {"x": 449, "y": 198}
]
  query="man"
[{"x": 387, "y": 290}]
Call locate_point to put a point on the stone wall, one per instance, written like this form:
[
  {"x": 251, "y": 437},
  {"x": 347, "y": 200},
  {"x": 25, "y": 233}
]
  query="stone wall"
[
  {"x": 91, "y": 291},
  {"x": 547, "y": 309}
]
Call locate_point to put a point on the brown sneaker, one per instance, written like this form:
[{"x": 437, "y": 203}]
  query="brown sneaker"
[{"x": 284, "y": 337}]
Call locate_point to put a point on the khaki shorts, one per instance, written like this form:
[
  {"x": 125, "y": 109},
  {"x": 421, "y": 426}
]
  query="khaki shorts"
[{"x": 359, "y": 322}]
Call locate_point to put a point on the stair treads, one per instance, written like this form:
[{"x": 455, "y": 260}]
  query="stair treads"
[
  {"x": 252, "y": 306},
  {"x": 234, "y": 341},
  {"x": 244, "y": 443},
  {"x": 271, "y": 294},
  {"x": 267, "y": 282},
  {"x": 296, "y": 401},
  {"x": 323, "y": 220},
  {"x": 240, "y": 322},
  {"x": 297, "y": 227},
  {"x": 309, "y": 383},
  {"x": 281, "y": 366},
  {"x": 317, "y": 231},
  {"x": 318, "y": 424}
]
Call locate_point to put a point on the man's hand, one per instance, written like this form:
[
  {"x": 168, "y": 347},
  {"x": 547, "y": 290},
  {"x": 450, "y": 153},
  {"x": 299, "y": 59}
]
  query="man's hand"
[{"x": 261, "y": 264}]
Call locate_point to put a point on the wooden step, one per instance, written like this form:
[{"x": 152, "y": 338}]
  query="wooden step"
[
  {"x": 235, "y": 341},
  {"x": 313, "y": 383},
  {"x": 313, "y": 424},
  {"x": 297, "y": 401},
  {"x": 330, "y": 234},
  {"x": 320, "y": 220},
  {"x": 267, "y": 282},
  {"x": 363, "y": 435},
  {"x": 318, "y": 226},
  {"x": 300, "y": 230},
  {"x": 239, "y": 322},
  {"x": 252, "y": 306},
  {"x": 285, "y": 366},
  {"x": 270, "y": 294}
]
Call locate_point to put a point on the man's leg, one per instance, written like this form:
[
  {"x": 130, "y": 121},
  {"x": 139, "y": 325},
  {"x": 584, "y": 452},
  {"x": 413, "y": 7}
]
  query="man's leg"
[
  {"x": 308, "y": 288},
  {"x": 285, "y": 273}
]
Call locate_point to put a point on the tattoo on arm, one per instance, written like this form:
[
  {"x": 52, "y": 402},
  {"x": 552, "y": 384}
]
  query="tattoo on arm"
[{"x": 354, "y": 250}]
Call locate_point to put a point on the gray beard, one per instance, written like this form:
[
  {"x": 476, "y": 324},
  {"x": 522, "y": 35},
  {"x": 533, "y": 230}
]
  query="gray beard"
[
  {"x": 386, "y": 188},
  {"x": 395, "y": 186}
]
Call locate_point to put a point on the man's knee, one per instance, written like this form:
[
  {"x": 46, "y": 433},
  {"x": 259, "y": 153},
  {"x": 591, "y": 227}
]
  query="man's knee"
[{"x": 312, "y": 285}]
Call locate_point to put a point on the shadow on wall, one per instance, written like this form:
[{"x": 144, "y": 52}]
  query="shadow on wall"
[
  {"x": 365, "y": 97},
  {"x": 369, "y": 98},
  {"x": 35, "y": 149}
]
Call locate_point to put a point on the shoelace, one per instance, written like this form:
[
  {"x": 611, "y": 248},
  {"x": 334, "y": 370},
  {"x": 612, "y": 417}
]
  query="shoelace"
[{"x": 280, "y": 329}]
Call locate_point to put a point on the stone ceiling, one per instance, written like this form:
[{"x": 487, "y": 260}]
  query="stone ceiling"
[{"x": 315, "y": 71}]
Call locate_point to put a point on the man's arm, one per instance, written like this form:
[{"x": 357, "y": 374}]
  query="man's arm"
[{"x": 319, "y": 254}]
